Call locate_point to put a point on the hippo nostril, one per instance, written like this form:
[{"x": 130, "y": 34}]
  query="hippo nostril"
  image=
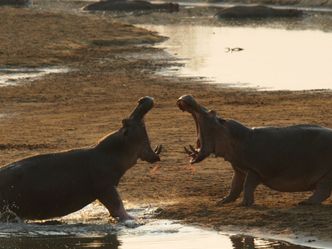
[{"x": 147, "y": 100}]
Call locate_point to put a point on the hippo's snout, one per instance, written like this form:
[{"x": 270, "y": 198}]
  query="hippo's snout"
[
  {"x": 144, "y": 105},
  {"x": 153, "y": 159},
  {"x": 146, "y": 101},
  {"x": 189, "y": 104},
  {"x": 152, "y": 156}
]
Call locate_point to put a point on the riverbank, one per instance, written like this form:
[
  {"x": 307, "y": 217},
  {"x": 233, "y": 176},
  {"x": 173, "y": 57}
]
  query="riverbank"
[{"x": 64, "y": 111}]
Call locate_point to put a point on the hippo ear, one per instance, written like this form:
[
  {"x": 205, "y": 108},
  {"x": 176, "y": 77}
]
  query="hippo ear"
[
  {"x": 221, "y": 121},
  {"x": 125, "y": 122},
  {"x": 213, "y": 113},
  {"x": 125, "y": 132}
]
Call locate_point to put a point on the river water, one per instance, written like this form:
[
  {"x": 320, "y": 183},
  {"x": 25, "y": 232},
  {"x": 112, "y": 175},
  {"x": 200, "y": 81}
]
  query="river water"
[
  {"x": 259, "y": 57},
  {"x": 90, "y": 228},
  {"x": 270, "y": 54}
]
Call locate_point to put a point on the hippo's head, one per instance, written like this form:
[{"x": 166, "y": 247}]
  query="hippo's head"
[
  {"x": 135, "y": 135},
  {"x": 131, "y": 141},
  {"x": 208, "y": 125}
]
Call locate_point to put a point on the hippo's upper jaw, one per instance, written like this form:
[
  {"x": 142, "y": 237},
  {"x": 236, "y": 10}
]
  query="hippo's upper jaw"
[
  {"x": 144, "y": 105},
  {"x": 132, "y": 139},
  {"x": 205, "y": 121}
]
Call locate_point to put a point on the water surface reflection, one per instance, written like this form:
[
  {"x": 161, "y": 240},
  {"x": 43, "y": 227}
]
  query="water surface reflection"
[
  {"x": 60, "y": 242},
  {"x": 161, "y": 234},
  {"x": 272, "y": 58},
  {"x": 112, "y": 241}
]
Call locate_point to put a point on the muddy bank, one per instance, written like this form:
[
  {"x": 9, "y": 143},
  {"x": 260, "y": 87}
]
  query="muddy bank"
[{"x": 63, "y": 111}]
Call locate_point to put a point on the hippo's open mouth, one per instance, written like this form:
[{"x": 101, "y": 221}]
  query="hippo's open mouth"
[{"x": 187, "y": 103}]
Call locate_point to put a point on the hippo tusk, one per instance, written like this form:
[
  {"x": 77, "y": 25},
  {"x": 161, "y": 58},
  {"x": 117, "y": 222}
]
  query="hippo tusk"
[
  {"x": 187, "y": 151},
  {"x": 198, "y": 157},
  {"x": 195, "y": 154},
  {"x": 191, "y": 151},
  {"x": 158, "y": 149}
]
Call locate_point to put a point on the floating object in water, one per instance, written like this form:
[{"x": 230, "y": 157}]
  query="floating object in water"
[{"x": 231, "y": 50}]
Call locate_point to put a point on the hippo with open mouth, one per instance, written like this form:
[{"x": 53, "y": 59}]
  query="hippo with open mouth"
[
  {"x": 289, "y": 159},
  {"x": 56, "y": 184}
]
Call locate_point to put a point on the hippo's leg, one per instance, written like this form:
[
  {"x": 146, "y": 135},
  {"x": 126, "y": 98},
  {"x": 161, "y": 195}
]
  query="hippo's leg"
[
  {"x": 236, "y": 188},
  {"x": 250, "y": 185},
  {"x": 321, "y": 192},
  {"x": 112, "y": 201}
]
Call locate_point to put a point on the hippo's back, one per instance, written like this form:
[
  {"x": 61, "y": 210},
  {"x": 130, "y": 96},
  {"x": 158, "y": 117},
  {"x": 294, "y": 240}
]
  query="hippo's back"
[
  {"x": 46, "y": 186},
  {"x": 292, "y": 158},
  {"x": 298, "y": 141}
]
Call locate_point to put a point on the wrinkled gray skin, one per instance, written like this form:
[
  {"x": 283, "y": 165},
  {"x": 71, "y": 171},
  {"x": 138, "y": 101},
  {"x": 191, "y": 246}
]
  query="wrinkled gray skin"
[
  {"x": 131, "y": 5},
  {"x": 290, "y": 159},
  {"x": 18, "y": 3},
  {"x": 257, "y": 11},
  {"x": 56, "y": 184}
]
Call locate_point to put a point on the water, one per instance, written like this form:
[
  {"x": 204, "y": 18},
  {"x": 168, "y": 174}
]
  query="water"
[
  {"x": 314, "y": 9},
  {"x": 272, "y": 58},
  {"x": 13, "y": 76},
  {"x": 90, "y": 228}
]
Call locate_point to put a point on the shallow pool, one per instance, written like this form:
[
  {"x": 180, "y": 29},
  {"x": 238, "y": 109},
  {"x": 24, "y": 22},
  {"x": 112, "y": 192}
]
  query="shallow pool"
[{"x": 262, "y": 57}]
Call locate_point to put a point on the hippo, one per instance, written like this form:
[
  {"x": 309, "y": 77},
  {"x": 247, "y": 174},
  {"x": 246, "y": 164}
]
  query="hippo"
[
  {"x": 17, "y": 3},
  {"x": 257, "y": 11},
  {"x": 295, "y": 158},
  {"x": 131, "y": 5},
  {"x": 56, "y": 184}
]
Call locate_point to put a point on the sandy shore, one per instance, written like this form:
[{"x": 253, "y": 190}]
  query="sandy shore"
[{"x": 63, "y": 111}]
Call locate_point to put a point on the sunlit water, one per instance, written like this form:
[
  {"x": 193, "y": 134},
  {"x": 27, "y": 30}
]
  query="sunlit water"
[
  {"x": 274, "y": 59},
  {"x": 313, "y": 9},
  {"x": 90, "y": 228},
  {"x": 13, "y": 76}
]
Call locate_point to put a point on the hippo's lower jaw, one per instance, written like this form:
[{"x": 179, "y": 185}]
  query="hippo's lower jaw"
[
  {"x": 152, "y": 156},
  {"x": 199, "y": 157},
  {"x": 152, "y": 160}
]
